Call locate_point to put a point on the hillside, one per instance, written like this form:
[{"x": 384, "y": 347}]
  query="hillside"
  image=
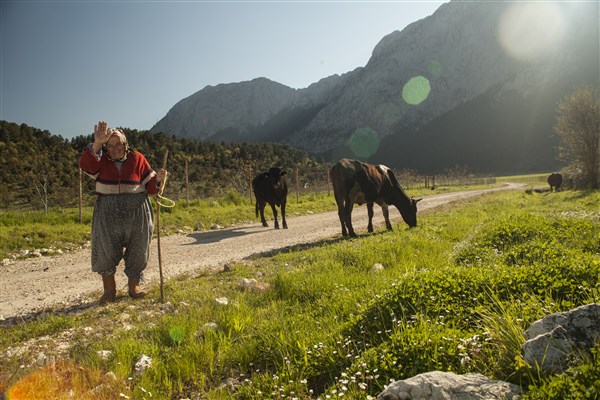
[{"x": 41, "y": 169}]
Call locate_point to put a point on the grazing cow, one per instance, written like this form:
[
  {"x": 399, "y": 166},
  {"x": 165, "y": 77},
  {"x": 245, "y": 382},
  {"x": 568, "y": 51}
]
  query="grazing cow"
[
  {"x": 555, "y": 180},
  {"x": 270, "y": 187},
  {"x": 355, "y": 182}
]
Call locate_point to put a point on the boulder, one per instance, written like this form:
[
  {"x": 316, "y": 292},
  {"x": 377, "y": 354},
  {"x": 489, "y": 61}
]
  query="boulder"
[
  {"x": 439, "y": 385},
  {"x": 552, "y": 340}
]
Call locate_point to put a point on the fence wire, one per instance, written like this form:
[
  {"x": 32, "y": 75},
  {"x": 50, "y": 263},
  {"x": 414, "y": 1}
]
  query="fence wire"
[{"x": 188, "y": 187}]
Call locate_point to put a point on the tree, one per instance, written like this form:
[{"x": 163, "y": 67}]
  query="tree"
[{"x": 578, "y": 127}]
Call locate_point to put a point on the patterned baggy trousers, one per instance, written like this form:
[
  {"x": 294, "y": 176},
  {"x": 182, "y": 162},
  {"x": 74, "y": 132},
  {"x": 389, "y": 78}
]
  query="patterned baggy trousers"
[{"x": 122, "y": 228}]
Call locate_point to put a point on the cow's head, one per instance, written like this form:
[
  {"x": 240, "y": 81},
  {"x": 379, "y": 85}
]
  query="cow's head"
[
  {"x": 275, "y": 174},
  {"x": 408, "y": 211}
]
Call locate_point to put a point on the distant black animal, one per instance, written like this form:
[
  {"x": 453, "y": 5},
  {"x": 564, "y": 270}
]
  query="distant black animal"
[
  {"x": 355, "y": 182},
  {"x": 271, "y": 187},
  {"x": 555, "y": 180}
]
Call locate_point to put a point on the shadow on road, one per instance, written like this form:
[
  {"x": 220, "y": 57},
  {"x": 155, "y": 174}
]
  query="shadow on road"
[
  {"x": 222, "y": 234},
  {"x": 297, "y": 247},
  {"x": 57, "y": 310}
]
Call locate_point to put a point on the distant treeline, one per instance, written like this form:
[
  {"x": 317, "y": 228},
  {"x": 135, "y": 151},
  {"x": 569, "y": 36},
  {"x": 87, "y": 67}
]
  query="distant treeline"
[{"x": 40, "y": 169}]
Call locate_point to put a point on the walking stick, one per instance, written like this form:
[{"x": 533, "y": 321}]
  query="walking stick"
[{"x": 160, "y": 192}]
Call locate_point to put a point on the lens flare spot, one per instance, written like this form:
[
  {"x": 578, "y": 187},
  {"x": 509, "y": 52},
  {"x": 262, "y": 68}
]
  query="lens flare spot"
[
  {"x": 528, "y": 31},
  {"x": 364, "y": 142},
  {"x": 177, "y": 333},
  {"x": 416, "y": 90},
  {"x": 389, "y": 113},
  {"x": 435, "y": 68},
  {"x": 63, "y": 380}
]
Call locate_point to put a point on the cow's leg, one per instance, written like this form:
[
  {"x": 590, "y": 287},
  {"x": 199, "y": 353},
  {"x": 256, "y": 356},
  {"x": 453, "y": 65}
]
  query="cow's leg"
[
  {"x": 370, "y": 214},
  {"x": 261, "y": 208},
  {"x": 386, "y": 216},
  {"x": 283, "y": 223},
  {"x": 340, "y": 204},
  {"x": 342, "y": 217},
  {"x": 274, "y": 208},
  {"x": 348, "y": 218}
]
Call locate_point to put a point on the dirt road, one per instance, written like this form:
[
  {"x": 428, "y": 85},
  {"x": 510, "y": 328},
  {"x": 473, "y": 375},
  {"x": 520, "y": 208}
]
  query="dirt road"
[{"x": 29, "y": 286}]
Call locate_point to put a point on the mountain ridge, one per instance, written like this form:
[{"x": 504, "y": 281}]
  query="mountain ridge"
[{"x": 463, "y": 51}]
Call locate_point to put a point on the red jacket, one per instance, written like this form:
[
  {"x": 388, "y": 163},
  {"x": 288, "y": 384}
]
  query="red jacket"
[{"x": 136, "y": 175}]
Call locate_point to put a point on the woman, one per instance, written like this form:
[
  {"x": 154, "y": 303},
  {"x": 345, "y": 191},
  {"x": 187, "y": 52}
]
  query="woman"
[{"x": 123, "y": 219}]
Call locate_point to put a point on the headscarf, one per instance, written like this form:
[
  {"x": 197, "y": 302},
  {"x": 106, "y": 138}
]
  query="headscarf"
[{"x": 119, "y": 133}]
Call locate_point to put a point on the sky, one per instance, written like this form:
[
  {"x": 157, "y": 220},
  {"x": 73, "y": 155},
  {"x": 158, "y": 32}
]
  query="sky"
[{"x": 65, "y": 65}]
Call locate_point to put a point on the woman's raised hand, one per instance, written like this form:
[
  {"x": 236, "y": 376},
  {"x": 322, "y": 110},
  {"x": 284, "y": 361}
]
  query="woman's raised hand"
[
  {"x": 101, "y": 135},
  {"x": 101, "y": 132}
]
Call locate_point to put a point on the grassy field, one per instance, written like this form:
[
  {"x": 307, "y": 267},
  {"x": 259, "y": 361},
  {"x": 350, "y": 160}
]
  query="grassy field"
[
  {"x": 61, "y": 230},
  {"x": 531, "y": 179},
  {"x": 341, "y": 319}
]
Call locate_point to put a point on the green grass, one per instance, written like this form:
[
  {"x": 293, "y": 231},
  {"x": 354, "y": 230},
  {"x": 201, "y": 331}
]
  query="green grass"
[
  {"x": 61, "y": 230},
  {"x": 532, "y": 179},
  {"x": 454, "y": 294},
  {"x": 30, "y": 230}
]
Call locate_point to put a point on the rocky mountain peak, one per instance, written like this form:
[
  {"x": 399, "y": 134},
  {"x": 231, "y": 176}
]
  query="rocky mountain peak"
[
  {"x": 500, "y": 55},
  {"x": 237, "y": 106}
]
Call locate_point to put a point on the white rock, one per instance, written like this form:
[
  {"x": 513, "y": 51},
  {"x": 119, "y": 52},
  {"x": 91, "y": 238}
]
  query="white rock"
[
  {"x": 378, "y": 267},
  {"x": 222, "y": 301},
  {"x": 104, "y": 354},
  {"x": 248, "y": 283},
  {"x": 142, "y": 364},
  {"x": 439, "y": 385}
]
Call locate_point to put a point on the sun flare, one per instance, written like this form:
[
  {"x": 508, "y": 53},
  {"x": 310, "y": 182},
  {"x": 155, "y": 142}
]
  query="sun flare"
[{"x": 528, "y": 31}]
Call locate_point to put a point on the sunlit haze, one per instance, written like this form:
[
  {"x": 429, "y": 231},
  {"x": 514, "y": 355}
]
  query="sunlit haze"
[
  {"x": 68, "y": 64},
  {"x": 528, "y": 31}
]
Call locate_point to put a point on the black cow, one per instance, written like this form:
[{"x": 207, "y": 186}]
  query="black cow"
[
  {"x": 355, "y": 182},
  {"x": 271, "y": 187},
  {"x": 555, "y": 180}
]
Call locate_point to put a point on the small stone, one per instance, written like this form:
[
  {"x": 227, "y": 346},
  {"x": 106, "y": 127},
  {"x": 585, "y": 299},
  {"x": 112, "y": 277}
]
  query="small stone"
[
  {"x": 104, "y": 354},
  {"x": 246, "y": 283},
  {"x": 143, "y": 363},
  {"x": 211, "y": 326},
  {"x": 222, "y": 301},
  {"x": 377, "y": 267}
]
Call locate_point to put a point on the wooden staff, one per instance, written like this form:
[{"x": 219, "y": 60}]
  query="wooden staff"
[{"x": 160, "y": 192}]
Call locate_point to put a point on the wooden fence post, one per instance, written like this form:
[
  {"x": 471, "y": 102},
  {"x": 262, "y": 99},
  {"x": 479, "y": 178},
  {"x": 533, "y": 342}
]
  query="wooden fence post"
[
  {"x": 187, "y": 185},
  {"x": 250, "y": 183},
  {"x": 297, "y": 189},
  {"x": 80, "y": 196}
]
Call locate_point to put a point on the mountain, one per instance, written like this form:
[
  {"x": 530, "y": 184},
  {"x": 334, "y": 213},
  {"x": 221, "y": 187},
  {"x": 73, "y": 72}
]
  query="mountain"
[
  {"x": 226, "y": 108},
  {"x": 475, "y": 84}
]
